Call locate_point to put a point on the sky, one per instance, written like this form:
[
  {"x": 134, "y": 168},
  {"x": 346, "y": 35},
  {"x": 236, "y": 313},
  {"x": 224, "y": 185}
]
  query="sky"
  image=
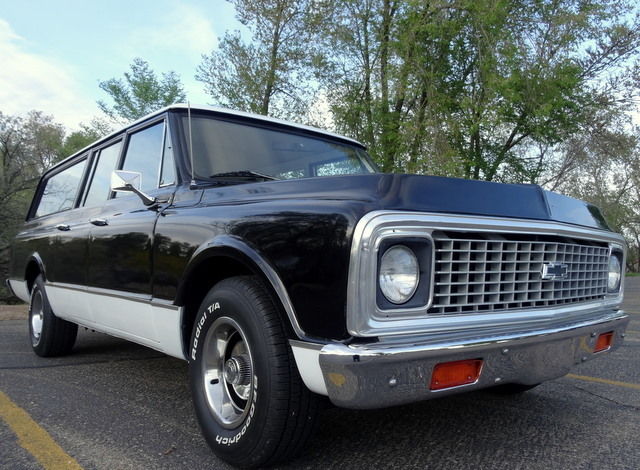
[{"x": 53, "y": 54}]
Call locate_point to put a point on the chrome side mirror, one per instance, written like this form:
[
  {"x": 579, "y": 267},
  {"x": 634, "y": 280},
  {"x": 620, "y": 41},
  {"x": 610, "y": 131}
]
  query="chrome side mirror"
[{"x": 129, "y": 182}]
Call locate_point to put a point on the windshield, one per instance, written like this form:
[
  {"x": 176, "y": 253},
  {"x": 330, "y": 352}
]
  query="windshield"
[{"x": 221, "y": 147}]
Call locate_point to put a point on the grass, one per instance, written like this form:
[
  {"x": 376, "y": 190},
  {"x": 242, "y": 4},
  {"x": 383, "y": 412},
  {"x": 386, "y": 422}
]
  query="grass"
[{"x": 632, "y": 274}]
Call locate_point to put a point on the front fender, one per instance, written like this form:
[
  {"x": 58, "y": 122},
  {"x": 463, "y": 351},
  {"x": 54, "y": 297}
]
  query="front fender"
[{"x": 229, "y": 246}]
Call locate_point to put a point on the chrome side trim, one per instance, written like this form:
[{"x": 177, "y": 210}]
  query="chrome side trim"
[
  {"x": 365, "y": 318},
  {"x": 132, "y": 296}
]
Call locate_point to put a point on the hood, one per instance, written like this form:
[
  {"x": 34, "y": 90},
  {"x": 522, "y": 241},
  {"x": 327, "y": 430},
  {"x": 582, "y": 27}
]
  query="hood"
[
  {"x": 454, "y": 195},
  {"x": 422, "y": 194}
]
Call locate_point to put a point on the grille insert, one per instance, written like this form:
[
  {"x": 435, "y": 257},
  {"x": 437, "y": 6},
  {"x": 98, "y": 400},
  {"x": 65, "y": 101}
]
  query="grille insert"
[{"x": 476, "y": 272}]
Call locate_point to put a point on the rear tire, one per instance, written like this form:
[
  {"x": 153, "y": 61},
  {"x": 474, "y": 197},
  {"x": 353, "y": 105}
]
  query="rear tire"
[
  {"x": 249, "y": 399},
  {"x": 50, "y": 336}
]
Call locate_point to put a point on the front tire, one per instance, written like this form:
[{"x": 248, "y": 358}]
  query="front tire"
[
  {"x": 50, "y": 336},
  {"x": 249, "y": 399}
]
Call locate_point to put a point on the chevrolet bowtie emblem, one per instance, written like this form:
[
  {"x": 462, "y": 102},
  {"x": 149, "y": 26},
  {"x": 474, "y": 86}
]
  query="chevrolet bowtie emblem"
[{"x": 554, "y": 271}]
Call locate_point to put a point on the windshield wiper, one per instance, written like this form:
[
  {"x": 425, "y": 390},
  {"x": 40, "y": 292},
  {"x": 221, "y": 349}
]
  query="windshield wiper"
[{"x": 243, "y": 175}]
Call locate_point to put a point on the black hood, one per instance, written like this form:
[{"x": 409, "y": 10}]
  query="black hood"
[
  {"x": 453, "y": 195},
  {"x": 422, "y": 194}
]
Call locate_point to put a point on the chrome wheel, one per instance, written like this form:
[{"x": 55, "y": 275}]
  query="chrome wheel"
[
  {"x": 227, "y": 372},
  {"x": 37, "y": 316}
]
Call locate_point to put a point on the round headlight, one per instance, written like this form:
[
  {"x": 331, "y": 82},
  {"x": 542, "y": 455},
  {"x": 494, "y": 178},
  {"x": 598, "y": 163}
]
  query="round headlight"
[
  {"x": 399, "y": 274},
  {"x": 615, "y": 273}
]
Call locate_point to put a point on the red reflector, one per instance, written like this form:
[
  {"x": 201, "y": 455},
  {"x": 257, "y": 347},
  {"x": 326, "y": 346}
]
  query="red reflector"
[
  {"x": 454, "y": 374},
  {"x": 604, "y": 342}
]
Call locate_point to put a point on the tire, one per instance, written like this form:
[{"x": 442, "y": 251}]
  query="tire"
[
  {"x": 50, "y": 336},
  {"x": 250, "y": 402},
  {"x": 512, "y": 389}
]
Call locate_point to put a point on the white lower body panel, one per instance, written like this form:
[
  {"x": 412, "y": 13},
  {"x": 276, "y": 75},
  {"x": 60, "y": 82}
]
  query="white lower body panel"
[
  {"x": 143, "y": 321},
  {"x": 20, "y": 289}
]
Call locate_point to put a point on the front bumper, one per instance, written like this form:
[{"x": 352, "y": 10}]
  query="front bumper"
[{"x": 393, "y": 372}]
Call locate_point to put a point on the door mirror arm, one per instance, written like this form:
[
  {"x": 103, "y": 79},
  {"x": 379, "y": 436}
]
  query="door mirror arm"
[
  {"x": 146, "y": 199},
  {"x": 129, "y": 182}
]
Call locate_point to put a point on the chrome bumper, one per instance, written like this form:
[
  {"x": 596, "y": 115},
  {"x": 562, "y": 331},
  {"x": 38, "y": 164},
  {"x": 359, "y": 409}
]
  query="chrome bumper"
[{"x": 393, "y": 372}]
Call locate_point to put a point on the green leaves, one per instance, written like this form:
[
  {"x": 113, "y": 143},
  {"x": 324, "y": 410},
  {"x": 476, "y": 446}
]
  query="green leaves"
[
  {"x": 270, "y": 74},
  {"x": 140, "y": 92},
  {"x": 482, "y": 83}
]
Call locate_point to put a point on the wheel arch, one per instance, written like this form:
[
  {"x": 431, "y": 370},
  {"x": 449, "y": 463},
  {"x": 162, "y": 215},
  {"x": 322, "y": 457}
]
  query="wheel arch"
[
  {"x": 222, "y": 258},
  {"x": 34, "y": 267}
]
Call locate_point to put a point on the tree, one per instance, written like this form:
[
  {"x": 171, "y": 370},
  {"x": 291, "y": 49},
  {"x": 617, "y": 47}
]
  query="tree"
[
  {"x": 28, "y": 146},
  {"x": 601, "y": 164},
  {"x": 86, "y": 135},
  {"x": 469, "y": 88},
  {"x": 269, "y": 74},
  {"x": 140, "y": 92}
]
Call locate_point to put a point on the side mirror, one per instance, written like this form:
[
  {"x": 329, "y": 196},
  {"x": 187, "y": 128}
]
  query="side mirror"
[{"x": 129, "y": 182}]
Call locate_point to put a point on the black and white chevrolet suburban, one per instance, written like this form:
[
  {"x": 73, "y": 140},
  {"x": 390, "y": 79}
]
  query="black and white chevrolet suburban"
[{"x": 281, "y": 265}]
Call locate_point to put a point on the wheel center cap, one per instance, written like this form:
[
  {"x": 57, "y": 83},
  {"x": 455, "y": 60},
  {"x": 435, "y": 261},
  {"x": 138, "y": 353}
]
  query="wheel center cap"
[{"x": 237, "y": 371}]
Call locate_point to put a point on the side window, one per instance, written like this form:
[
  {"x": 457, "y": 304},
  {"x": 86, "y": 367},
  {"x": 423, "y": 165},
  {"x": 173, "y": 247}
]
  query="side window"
[
  {"x": 99, "y": 188},
  {"x": 144, "y": 153},
  {"x": 60, "y": 190}
]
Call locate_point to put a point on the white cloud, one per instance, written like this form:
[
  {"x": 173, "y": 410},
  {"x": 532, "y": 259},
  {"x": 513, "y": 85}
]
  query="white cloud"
[
  {"x": 31, "y": 81},
  {"x": 184, "y": 30}
]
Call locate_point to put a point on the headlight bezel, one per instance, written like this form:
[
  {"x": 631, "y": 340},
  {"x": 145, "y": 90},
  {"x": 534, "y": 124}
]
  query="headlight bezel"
[
  {"x": 618, "y": 253},
  {"x": 385, "y": 266},
  {"x": 421, "y": 298}
]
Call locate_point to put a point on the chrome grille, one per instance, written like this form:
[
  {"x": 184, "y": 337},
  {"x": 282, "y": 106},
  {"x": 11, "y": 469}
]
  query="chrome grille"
[{"x": 491, "y": 272}]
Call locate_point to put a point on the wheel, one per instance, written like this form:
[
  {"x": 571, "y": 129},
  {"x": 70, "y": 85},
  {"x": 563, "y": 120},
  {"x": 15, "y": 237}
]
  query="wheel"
[
  {"x": 512, "y": 389},
  {"x": 50, "y": 335},
  {"x": 249, "y": 399}
]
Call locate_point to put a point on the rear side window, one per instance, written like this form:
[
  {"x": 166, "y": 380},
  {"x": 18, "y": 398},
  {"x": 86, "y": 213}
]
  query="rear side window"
[
  {"x": 100, "y": 186},
  {"x": 60, "y": 190},
  {"x": 144, "y": 155}
]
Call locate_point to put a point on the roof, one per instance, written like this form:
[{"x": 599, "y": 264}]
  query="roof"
[{"x": 219, "y": 110}]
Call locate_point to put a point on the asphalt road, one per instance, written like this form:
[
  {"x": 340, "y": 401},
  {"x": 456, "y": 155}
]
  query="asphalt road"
[{"x": 115, "y": 405}]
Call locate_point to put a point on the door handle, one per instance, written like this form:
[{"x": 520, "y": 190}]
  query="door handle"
[
  {"x": 63, "y": 227},
  {"x": 99, "y": 222}
]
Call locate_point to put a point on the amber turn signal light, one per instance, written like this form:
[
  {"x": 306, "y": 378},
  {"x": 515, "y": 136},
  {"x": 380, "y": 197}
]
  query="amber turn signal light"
[
  {"x": 454, "y": 374},
  {"x": 604, "y": 342}
]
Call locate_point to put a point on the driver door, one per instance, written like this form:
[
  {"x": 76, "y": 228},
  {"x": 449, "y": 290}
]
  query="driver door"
[{"x": 121, "y": 236}]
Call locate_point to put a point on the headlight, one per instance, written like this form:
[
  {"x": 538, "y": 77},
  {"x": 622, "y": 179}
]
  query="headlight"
[
  {"x": 399, "y": 274},
  {"x": 615, "y": 273}
]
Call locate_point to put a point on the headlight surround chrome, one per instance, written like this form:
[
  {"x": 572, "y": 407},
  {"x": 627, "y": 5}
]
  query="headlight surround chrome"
[
  {"x": 615, "y": 272},
  {"x": 399, "y": 274}
]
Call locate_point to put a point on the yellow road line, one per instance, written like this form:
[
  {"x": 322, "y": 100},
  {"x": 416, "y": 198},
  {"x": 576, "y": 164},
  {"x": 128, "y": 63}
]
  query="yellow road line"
[
  {"x": 633, "y": 331},
  {"x": 34, "y": 438},
  {"x": 604, "y": 381}
]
